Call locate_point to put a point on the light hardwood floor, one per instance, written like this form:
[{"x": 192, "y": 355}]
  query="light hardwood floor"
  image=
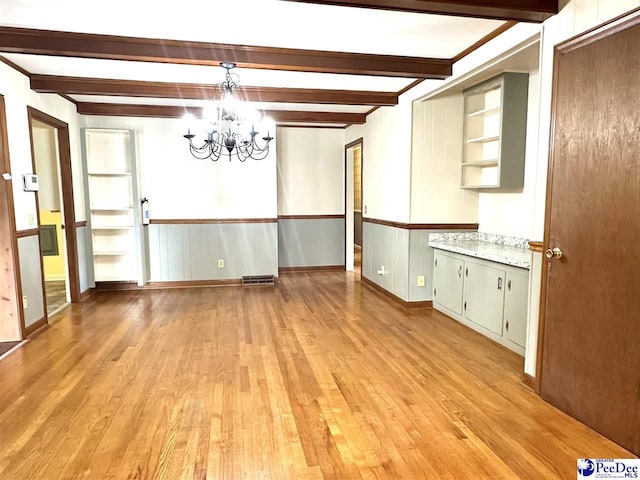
[{"x": 317, "y": 378}]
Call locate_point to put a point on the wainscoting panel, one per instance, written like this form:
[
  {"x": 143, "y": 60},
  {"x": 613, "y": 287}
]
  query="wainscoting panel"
[
  {"x": 191, "y": 251},
  {"x": 311, "y": 242},
  {"x": 85, "y": 260},
  {"x": 31, "y": 273},
  {"x": 386, "y": 246}
]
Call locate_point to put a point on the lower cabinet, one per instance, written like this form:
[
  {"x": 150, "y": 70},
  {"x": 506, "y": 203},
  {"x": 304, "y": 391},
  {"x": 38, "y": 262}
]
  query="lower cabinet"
[{"x": 487, "y": 296}]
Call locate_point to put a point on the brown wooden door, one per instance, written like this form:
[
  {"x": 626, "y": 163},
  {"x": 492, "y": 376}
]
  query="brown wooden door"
[{"x": 591, "y": 339}]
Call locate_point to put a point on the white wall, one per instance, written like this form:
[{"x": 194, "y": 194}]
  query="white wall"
[
  {"x": 512, "y": 213},
  {"x": 310, "y": 171},
  {"x": 15, "y": 88},
  {"x": 436, "y": 196},
  {"x": 179, "y": 186},
  {"x": 386, "y": 165}
]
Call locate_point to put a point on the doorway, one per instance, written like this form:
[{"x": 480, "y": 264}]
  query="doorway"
[
  {"x": 46, "y": 163},
  {"x": 51, "y": 161},
  {"x": 353, "y": 205},
  {"x": 589, "y": 357}
]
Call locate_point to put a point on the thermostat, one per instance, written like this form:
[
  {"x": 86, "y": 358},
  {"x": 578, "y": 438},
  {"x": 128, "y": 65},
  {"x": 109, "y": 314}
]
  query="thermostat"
[{"x": 30, "y": 182}]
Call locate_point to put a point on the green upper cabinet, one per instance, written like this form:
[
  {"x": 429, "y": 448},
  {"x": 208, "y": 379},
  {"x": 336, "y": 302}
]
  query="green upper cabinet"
[{"x": 495, "y": 129}]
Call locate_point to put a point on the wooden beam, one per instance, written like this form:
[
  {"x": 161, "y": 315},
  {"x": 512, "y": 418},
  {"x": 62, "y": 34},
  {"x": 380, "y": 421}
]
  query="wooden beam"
[
  {"x": 133, "y": 88},
  {"x": 165, "y": 111},
  {"x": 518, "y": 10},
  {"x": 69, "y": 44}
]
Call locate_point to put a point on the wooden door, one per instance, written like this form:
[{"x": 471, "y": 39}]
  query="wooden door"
[
  {"x": 591, "y": 340},
  {"x": 11, "y": 322}
]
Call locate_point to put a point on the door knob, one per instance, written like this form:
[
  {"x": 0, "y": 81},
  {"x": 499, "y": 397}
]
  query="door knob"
[{"x": 553, "y": 253}]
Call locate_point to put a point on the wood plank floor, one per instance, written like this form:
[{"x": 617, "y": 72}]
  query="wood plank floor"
[{"x": 317, "y": 378}]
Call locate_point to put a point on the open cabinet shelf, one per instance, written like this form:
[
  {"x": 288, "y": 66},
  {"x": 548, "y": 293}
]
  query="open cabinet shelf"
[
  {"x": 495, "y": 122},
  {"x": 112, "y": 195}
]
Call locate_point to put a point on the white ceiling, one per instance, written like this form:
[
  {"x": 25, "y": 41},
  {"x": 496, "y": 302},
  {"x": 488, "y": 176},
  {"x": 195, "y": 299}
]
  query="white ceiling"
[{"x": 269, "y": 23}]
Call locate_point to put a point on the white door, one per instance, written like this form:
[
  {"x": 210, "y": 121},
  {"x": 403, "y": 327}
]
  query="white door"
[
  {"x": 447, "y": 281},
  {"x": 515, "y": 307},
  {"x": 484, "y": 296}
]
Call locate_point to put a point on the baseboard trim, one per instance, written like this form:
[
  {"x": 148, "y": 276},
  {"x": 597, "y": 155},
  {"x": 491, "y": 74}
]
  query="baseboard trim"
[
  {"x": 319, "y": 268},
  {"x": 55, "y": 278},
  {"x": 86, "y": 295},
  {"x": 192, "y": 283},
  {"x": 116, "y": 285},
  {"x": 529, "y": 381},
  {"x": 425, "y": 305},
  {"x": 35, "y": 326}
]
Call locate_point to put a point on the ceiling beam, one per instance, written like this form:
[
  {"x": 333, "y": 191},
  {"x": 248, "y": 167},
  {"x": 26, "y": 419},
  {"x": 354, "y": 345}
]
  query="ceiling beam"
[
  {"x": 192, "y": 91},
  {"x": 165, "y": 111},
  {"x": 519, "y": 10},
  {"x": 70, "y": 44}
]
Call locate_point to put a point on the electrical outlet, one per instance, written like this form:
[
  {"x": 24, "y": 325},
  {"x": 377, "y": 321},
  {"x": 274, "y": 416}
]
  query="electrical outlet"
[
  {"x": 31, "y": 219},
  {"x": 421, "y": 280},
  {"x": 25, "y": 304},
  {"x": 220, "y": 263}
]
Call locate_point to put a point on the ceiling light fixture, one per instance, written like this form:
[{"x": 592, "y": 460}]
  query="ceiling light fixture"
[{"x": 229, "y": 126}]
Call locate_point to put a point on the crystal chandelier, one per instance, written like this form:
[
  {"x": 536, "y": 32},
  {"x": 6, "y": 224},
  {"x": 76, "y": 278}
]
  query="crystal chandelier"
[{"x": 229, "y": 128}]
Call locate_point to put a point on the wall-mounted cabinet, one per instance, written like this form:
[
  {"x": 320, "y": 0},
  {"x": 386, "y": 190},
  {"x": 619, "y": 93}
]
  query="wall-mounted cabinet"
[
  {"x": 487, "y": 296},
  {"x": 113, "y": 205},
  {"x": 495, "y": 127}
]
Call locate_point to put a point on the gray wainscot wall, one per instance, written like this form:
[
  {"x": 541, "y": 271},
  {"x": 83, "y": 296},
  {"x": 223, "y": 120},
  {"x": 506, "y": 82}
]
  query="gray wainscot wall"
[
  {"x": 311, "y": 242},
  {"x": 85, "y": 258},
  {"x": 191, "y": 251},
  {"x": 405, "y": 255},
  {"x": 31, "y": 278}
]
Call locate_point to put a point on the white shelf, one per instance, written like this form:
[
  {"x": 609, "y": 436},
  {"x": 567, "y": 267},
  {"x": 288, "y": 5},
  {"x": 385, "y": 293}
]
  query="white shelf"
[
  {"x": 485, "y": 112},
  {"x": 111, "y": 254},
  {"x": 111, "y": 209},
  {"x": 481, "y": 164},
  {"x": 115, "y": 227},
  {"x": 109, "y": 174},
  {"x": 492, "y": 138}
]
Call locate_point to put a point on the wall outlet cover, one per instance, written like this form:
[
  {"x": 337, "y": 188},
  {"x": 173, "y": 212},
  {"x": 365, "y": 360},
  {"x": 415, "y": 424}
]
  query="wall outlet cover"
[
  {"x": 220, "y": 263},
  {"x": 420, "y": 280},
  {"x": 25, "y": 303}
]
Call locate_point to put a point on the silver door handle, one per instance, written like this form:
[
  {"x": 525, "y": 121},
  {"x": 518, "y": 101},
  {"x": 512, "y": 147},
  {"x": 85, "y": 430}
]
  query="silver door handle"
[{"x": 554, "y": 252}]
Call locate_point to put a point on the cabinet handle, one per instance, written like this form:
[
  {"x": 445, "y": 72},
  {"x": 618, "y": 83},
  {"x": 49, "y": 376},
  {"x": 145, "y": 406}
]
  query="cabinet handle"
[
  {"x": 466, "y": 272},
  {"x": 507, "y": 325},
  {"x": 465, "y": 305},
  {"x": 434, "y": 292},
  {"x": 509, "y": 285},
  {"x": 436, "y": 262},
  {"x": 499, "y": 283},
  {"x": 460, "y": 271}
]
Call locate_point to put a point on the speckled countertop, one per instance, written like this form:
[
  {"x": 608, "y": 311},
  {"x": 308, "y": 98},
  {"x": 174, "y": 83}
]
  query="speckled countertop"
[{"x": 507, "y": 250}]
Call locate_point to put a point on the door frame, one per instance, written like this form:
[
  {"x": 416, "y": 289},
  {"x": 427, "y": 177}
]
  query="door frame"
[
  {"x": 68, "y": 206},
  {"x": 607, "y": 29},
  {"x": 8, "y": 211},
  {"x": 358, "y": 141}
]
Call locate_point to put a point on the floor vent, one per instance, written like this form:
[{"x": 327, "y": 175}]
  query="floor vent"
[{"x": 258, "y": 280}]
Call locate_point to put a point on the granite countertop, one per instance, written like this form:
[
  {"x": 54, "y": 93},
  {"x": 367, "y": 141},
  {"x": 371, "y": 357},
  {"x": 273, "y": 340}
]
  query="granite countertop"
[{"x": 509, "y": 255}]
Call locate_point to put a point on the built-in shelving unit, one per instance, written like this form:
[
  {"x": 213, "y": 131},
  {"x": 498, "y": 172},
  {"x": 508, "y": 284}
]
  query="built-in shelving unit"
[
  {"x": 110, "y": 165},
  {"x": 495, "y": 121}
]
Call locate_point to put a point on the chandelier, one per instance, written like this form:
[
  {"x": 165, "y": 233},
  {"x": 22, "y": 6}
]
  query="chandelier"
[{"x": 229, "y": 127}]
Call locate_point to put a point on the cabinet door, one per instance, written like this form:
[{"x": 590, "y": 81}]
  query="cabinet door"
[
  {"x": 515, "y": 307},
  {"x": 447, "y": 281},
  {"x": 484, "y": 296}
]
